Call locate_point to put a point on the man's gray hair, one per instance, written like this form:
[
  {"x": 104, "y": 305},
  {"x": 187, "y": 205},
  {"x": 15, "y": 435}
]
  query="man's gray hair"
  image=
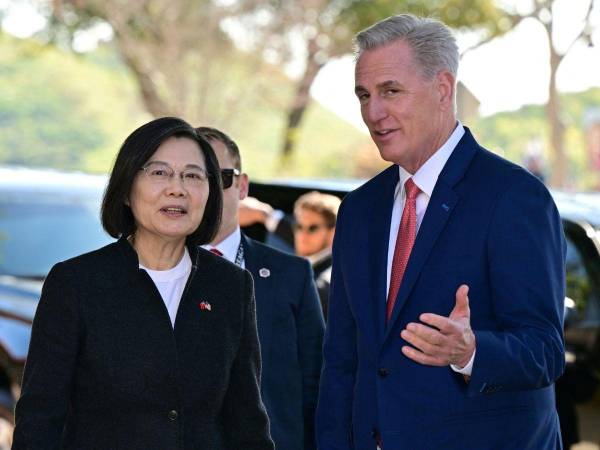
[{"x": 433, "y": 44}]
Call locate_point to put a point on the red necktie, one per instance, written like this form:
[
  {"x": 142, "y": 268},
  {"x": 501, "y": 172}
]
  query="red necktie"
[
  {"x": 216, "y": 251},
  {"x": 404, "y": 243}
]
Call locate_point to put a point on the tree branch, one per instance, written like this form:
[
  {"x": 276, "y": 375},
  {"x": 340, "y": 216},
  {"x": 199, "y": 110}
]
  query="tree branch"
[{"x": 586, "y": 22}]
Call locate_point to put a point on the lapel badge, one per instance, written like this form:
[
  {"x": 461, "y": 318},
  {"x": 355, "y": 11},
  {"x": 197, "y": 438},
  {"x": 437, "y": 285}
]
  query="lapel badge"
[
  {"x": 264, "y": 272},
  {"x": 205, "y": 306}
]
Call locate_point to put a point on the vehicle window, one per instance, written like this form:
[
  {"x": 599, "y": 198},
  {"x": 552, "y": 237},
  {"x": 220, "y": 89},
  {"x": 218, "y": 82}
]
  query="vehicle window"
[
  {"x": 37, "y": 231},
  {"x": 582, "y": 264}
]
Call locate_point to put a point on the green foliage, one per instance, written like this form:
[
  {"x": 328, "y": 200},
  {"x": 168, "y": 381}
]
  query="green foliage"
[
  {"x": 512, "y": 133},
  {"x": 462, "y": 14},
  {"x": 326, "y": 149},
  {"x": 58, "y": 109},
  {"x": 54, "y": 110},
  {"x": 62, "y": 110}
]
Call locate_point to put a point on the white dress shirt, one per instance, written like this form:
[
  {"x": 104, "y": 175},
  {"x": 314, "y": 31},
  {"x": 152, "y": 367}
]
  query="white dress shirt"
[
  {"x": 425, "y": 179},
  {"x": 171, "y": 283},
  {"x": 229, "y": 246}
]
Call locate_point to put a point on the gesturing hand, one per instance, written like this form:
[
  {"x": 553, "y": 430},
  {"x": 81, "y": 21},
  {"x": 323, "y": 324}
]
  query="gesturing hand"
[{"x": 439, "y": 340}]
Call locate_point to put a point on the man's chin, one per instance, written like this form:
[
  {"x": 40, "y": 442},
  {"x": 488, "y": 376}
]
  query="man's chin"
[{"x": 389, "y": 154}]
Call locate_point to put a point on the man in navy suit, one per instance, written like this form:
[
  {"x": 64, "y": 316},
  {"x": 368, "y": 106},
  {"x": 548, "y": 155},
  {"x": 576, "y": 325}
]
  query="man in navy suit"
[
  {"x": 446, "y": 304},
  {"x": 288, "y": 311}
]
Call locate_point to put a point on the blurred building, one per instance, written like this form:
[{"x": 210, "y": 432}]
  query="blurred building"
[{"x": 467, "y": 104}]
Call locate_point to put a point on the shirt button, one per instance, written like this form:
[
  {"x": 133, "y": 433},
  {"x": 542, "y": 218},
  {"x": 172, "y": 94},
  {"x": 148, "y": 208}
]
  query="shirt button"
[
  {"x": 383, "y": 372},
  {"x": 172, "y": 415}
]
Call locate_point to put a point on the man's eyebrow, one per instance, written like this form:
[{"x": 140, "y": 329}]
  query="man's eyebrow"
[
  {"x": 388, "y": 84},
  {"x": 383, "y": 85}
]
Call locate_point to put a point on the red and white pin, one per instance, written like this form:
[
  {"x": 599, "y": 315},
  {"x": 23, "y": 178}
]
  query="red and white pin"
[{"x": 205, "y": 306}]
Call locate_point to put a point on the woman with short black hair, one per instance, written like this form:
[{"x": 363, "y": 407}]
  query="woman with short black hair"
[{"x": 149, "y": 342}]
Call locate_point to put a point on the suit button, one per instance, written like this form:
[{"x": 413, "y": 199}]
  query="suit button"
[
  {"x": 382, "y": 372},
  {"x": 172, "y": 415}
]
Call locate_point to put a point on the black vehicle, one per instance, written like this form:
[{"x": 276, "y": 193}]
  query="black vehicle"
[
  {"x": 45, "y": 217},
  {"x": 581, "y": 221},
  {"x": 49, "y": 216}
]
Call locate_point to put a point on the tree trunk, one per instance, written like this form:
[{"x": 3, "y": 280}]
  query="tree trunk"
[
  {"x": 299, "y": 103},
  {"x": 559, "y": 161},
  {"x": 150, "y": 97}
]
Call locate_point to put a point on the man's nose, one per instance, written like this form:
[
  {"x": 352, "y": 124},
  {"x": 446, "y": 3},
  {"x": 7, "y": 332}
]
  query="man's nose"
[{"x": 374, "y": 111}]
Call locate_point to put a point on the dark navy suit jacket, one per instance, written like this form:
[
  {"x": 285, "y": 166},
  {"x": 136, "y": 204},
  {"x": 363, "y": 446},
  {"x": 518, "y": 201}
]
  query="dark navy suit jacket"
[
  {"x": 290, "y": 330},
  {"x": 488, "y": 224}
]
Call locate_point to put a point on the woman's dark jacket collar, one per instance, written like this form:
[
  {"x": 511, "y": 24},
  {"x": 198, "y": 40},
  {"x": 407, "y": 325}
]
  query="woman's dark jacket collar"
[{"x": 131, "y": 256}]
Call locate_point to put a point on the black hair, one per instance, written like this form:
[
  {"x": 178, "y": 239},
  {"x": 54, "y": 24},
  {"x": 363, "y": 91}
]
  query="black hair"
[{"x": 138, "y": 148}]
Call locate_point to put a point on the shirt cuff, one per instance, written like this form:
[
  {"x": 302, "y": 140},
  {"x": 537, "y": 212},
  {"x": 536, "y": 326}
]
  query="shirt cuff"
[
  {"x": 468, "y": 368},
  {"x": 273, "y": 220}
]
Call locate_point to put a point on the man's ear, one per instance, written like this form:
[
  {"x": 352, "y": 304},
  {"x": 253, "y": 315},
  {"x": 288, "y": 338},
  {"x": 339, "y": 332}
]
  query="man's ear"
[
  {"x": 244, "y": 185},
  {"x": 445, "y": 84}
]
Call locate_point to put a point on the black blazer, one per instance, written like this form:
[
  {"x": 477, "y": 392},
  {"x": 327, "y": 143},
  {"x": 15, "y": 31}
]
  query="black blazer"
[{"x": 106, "y": 370}]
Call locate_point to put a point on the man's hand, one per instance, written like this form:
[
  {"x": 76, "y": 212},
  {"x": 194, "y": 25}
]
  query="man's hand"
[
  {"x": 439, "y": 340},
  {"x": 252, "y": 210}
]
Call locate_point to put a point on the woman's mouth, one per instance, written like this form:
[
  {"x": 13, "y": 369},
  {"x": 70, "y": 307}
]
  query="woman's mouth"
[{"x": 174, "y": 211}]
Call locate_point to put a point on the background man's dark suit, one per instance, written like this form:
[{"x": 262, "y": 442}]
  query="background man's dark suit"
[{"x": 290, "y": 330}]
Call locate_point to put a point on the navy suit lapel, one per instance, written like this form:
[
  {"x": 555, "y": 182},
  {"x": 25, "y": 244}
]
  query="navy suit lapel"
[
  {"x": 263, "y": 289},
  {"x": 440, "y": 207},
  {"x": 379, "y": 233}
]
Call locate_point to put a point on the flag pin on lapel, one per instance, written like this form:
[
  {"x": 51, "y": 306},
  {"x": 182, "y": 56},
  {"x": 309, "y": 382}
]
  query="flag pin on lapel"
[
  {"x": 205, "y": 306},
  {"x": 264, "y": 272}
]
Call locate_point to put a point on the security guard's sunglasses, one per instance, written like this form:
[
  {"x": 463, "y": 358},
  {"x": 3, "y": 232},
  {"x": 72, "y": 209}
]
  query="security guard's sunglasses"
[{"x": 227, "y": 177}]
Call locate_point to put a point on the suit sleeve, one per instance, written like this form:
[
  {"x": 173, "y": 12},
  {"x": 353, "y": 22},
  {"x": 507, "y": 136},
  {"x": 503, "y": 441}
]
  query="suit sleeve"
[
  {"x": 526, "y": 261},
  {"x": 311, "y": 327},
  {"x": 334, "y": 409},
  {"x": 46, "y": 388},
  {"x": 245, "y": 418}
]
